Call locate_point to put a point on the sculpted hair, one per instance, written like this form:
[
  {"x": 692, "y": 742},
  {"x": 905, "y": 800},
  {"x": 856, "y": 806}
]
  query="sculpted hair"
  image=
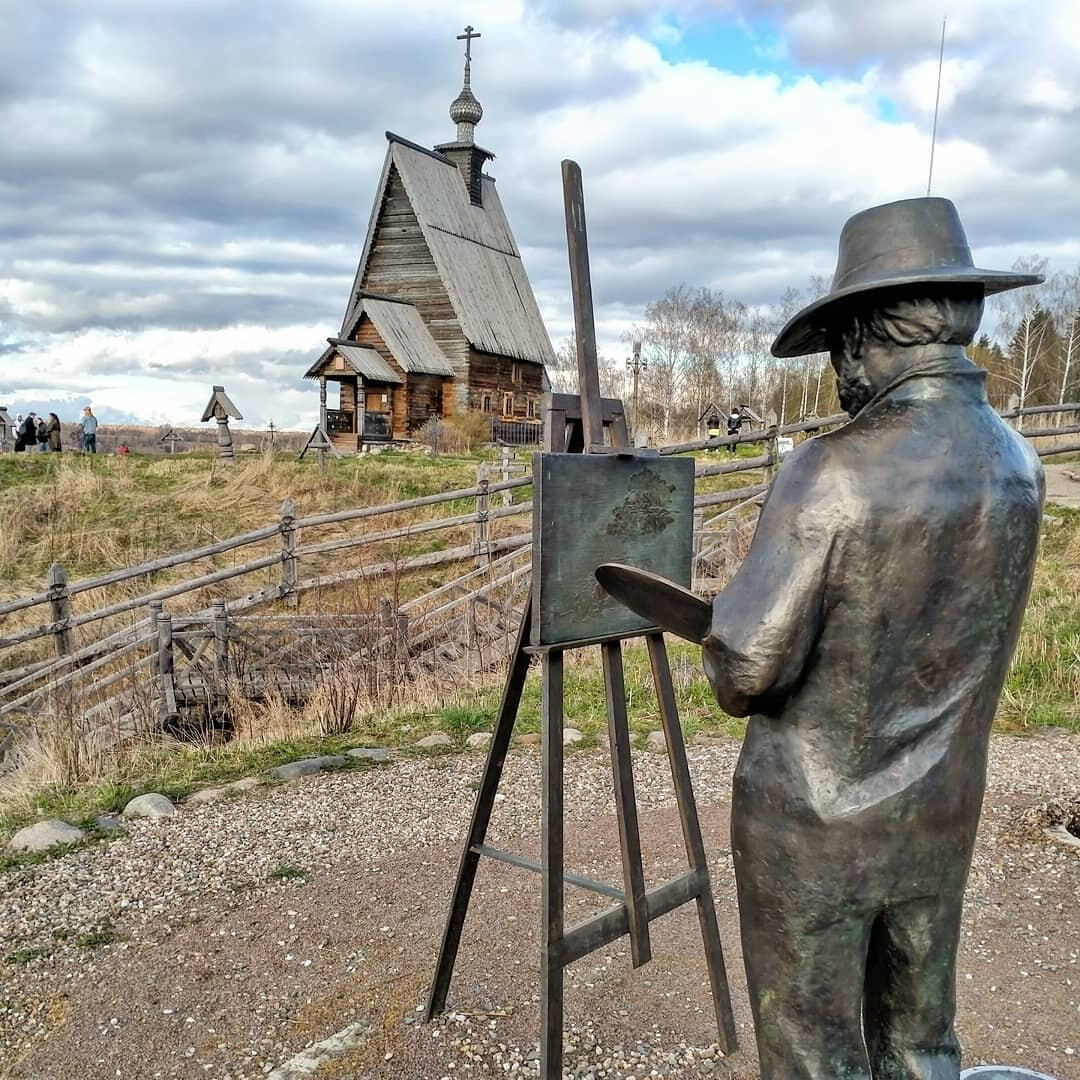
[{"x": 925, "y": 315}]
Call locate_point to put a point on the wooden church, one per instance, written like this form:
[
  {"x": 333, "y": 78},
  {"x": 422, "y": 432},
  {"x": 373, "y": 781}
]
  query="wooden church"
[{"x": 441, "y": 317}]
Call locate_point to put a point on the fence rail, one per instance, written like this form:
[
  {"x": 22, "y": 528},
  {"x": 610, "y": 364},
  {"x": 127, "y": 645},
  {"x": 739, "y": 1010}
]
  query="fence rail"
[{"x": 498, "y": 560}]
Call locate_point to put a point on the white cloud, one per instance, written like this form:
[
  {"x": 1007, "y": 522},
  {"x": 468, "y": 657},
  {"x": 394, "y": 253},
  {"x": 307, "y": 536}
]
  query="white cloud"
[{"x": 185, "y": 187}]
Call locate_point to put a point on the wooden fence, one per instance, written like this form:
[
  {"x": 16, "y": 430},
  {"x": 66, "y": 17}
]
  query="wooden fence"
[{"x": 96, "y": 650}]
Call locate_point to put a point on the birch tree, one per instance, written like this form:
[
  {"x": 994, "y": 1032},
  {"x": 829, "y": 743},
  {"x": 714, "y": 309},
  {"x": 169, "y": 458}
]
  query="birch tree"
[{"x": 1024, "y": 329}]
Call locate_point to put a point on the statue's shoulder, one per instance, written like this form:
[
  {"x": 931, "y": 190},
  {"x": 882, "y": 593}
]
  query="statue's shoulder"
[{"x": 815, "y": 468}]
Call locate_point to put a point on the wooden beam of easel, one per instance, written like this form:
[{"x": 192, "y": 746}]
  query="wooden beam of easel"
[
  {"x": 577, "y": 242},
  {"x": 573, "y": 422},
  {"x": 592, "y": 429}
]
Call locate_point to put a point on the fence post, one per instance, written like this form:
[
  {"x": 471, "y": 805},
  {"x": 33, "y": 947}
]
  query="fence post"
[
  {"x": 507, "y": 495},
  {"x": 221, "y": 639},
  {"x": 699, "y": 527},
  {"x": 288, "y": 555},
  {"x": 483, "y": 528},
  {"x": 164, "y": 644},
  {"x": 771, "y": 435},
  {"x": 167, "y": 691},
  {"x": 322, "y": 422},
  {"x": 392, "y": 623},
  {"x": 60, "y": 609},
  {"x": 154, "y": 609}
]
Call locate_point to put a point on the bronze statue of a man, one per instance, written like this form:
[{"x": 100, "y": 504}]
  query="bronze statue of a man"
[{"x": 867, "y": 635}]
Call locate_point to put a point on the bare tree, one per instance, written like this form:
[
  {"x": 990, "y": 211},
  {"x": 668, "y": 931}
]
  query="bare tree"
[
  {"x": 1065, "y": 304},
  {"x": 562, "y": 372},
  {"x": 1025, "y": 326},
  {"x": 666, "y": 337}
]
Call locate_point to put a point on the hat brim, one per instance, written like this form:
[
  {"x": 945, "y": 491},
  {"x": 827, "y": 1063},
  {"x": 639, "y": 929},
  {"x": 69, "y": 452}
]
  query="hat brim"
[{"x": 807, "y": 332}]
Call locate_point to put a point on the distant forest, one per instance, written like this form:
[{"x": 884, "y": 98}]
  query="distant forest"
[{"x": 701, "y": 348}]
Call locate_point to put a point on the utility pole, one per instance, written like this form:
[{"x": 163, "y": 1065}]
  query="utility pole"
[
  {"x": 636, "y": 365},
  {"x": 272, "y": 429}
]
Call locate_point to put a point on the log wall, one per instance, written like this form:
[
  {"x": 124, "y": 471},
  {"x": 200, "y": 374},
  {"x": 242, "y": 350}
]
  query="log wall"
[
  {"x": 401, "y": 265},
  {"x": 425, "y": 399},
  {"x": 494, "y": 375}
]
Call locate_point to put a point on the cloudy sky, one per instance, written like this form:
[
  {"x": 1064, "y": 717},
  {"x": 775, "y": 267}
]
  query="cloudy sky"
[{"x": 185, "y": 184}]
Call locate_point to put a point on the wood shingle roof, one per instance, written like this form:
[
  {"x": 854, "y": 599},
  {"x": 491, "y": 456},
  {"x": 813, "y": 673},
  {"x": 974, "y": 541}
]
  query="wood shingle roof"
[{"x": 473, "y": 250}]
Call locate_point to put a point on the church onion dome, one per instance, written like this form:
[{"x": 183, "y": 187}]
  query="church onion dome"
[{"x": 465, "y": 109}]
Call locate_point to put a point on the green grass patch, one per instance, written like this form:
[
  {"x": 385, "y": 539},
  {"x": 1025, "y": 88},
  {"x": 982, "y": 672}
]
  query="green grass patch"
[
  {"x": 584, "y": 708},
  {"x": 22, "y": 859},
  {"x": 171, "y": 771},
  {"x": 25, "y": 956},
  {"x": 95, "y": 939},
  {"x": 287, "y": 873},
  {"x": 1043, "y": 687}
]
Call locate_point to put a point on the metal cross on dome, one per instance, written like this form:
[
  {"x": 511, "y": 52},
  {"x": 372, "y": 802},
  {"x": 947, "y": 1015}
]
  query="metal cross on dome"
[{"x": 467, "y": 37}]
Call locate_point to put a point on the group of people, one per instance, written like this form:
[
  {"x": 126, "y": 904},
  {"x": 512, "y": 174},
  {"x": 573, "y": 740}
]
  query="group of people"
[
  {"x": 44, "y": 432},
  {"x": 735, "y": 420}
]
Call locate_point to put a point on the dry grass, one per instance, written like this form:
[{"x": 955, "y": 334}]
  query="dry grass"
[
  {"x": 369, "y": 699},
  {"x": 1043, "y": 689}
]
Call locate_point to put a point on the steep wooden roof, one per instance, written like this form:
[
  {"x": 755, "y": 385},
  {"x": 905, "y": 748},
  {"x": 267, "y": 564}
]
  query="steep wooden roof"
[
  {"x": 363, "y": 361},
  {"x": 473, "y": 250},
  {"x": 403, "y": 330}
]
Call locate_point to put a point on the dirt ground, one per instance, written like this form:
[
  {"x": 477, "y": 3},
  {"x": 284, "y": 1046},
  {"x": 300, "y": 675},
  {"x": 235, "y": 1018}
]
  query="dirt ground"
[{"x": 210, "y": 992}]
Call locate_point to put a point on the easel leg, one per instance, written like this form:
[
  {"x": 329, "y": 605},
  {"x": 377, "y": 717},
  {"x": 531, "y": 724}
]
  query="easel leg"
[
  {"x": 626, "y": 804},
  {"x": 551, "y": 856},
  {"x": 695, "y": 846},
  {"x": 485, "y": 801}
]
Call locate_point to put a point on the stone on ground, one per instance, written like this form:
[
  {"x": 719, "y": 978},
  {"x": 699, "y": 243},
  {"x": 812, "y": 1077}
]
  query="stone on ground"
[
  {"x": 150, "y": 805},
  {"x": 479, "y": 740},
  {"x": 248, "y": 783},
  {"x": 571, "y": 736},
  {"x": 434, "y": 741},
  {"x": 306, "y": 767},
  {"x": 108, "y": 822},
  {"x": 655, "y": 741},
  {"x": 206, "y": 795},
  {"x": 216, "y": 794},
  {"x": 528, "y": 739},
  {"x": 314, "y": 1057},
  {"x": 43, "y": 835},
  {"x": 710, "y": 740},
  {"x": 369, "y": 753}
]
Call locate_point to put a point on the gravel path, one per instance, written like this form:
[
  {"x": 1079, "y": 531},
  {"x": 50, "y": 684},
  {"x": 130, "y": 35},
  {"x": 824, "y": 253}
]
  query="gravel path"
[{"x": 224, "y": 941}]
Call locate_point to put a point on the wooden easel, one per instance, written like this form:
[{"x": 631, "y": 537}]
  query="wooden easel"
[{"x": 579, "y": 424}]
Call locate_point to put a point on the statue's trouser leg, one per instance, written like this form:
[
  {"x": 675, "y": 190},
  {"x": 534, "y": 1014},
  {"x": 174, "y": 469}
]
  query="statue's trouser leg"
[
  {"x": 804, "y": 966},
  {"x": 911, "y": 989},
  {"x": 813, "y": 947}
]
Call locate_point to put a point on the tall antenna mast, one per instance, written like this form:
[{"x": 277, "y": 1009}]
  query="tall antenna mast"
[{"x": 937, "y": 103}]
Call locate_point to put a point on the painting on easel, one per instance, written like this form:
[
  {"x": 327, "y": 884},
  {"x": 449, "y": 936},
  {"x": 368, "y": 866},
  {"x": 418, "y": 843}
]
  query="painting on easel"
[{"x": 590, "y": 509}]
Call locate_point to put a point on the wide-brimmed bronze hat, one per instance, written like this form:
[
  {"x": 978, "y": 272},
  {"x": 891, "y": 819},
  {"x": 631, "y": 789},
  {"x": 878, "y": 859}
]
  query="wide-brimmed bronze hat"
[{"x": 910, "y": 242}]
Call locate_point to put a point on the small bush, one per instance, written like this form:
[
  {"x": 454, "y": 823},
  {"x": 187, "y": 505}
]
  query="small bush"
[{"x": 456, "y": 434}]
